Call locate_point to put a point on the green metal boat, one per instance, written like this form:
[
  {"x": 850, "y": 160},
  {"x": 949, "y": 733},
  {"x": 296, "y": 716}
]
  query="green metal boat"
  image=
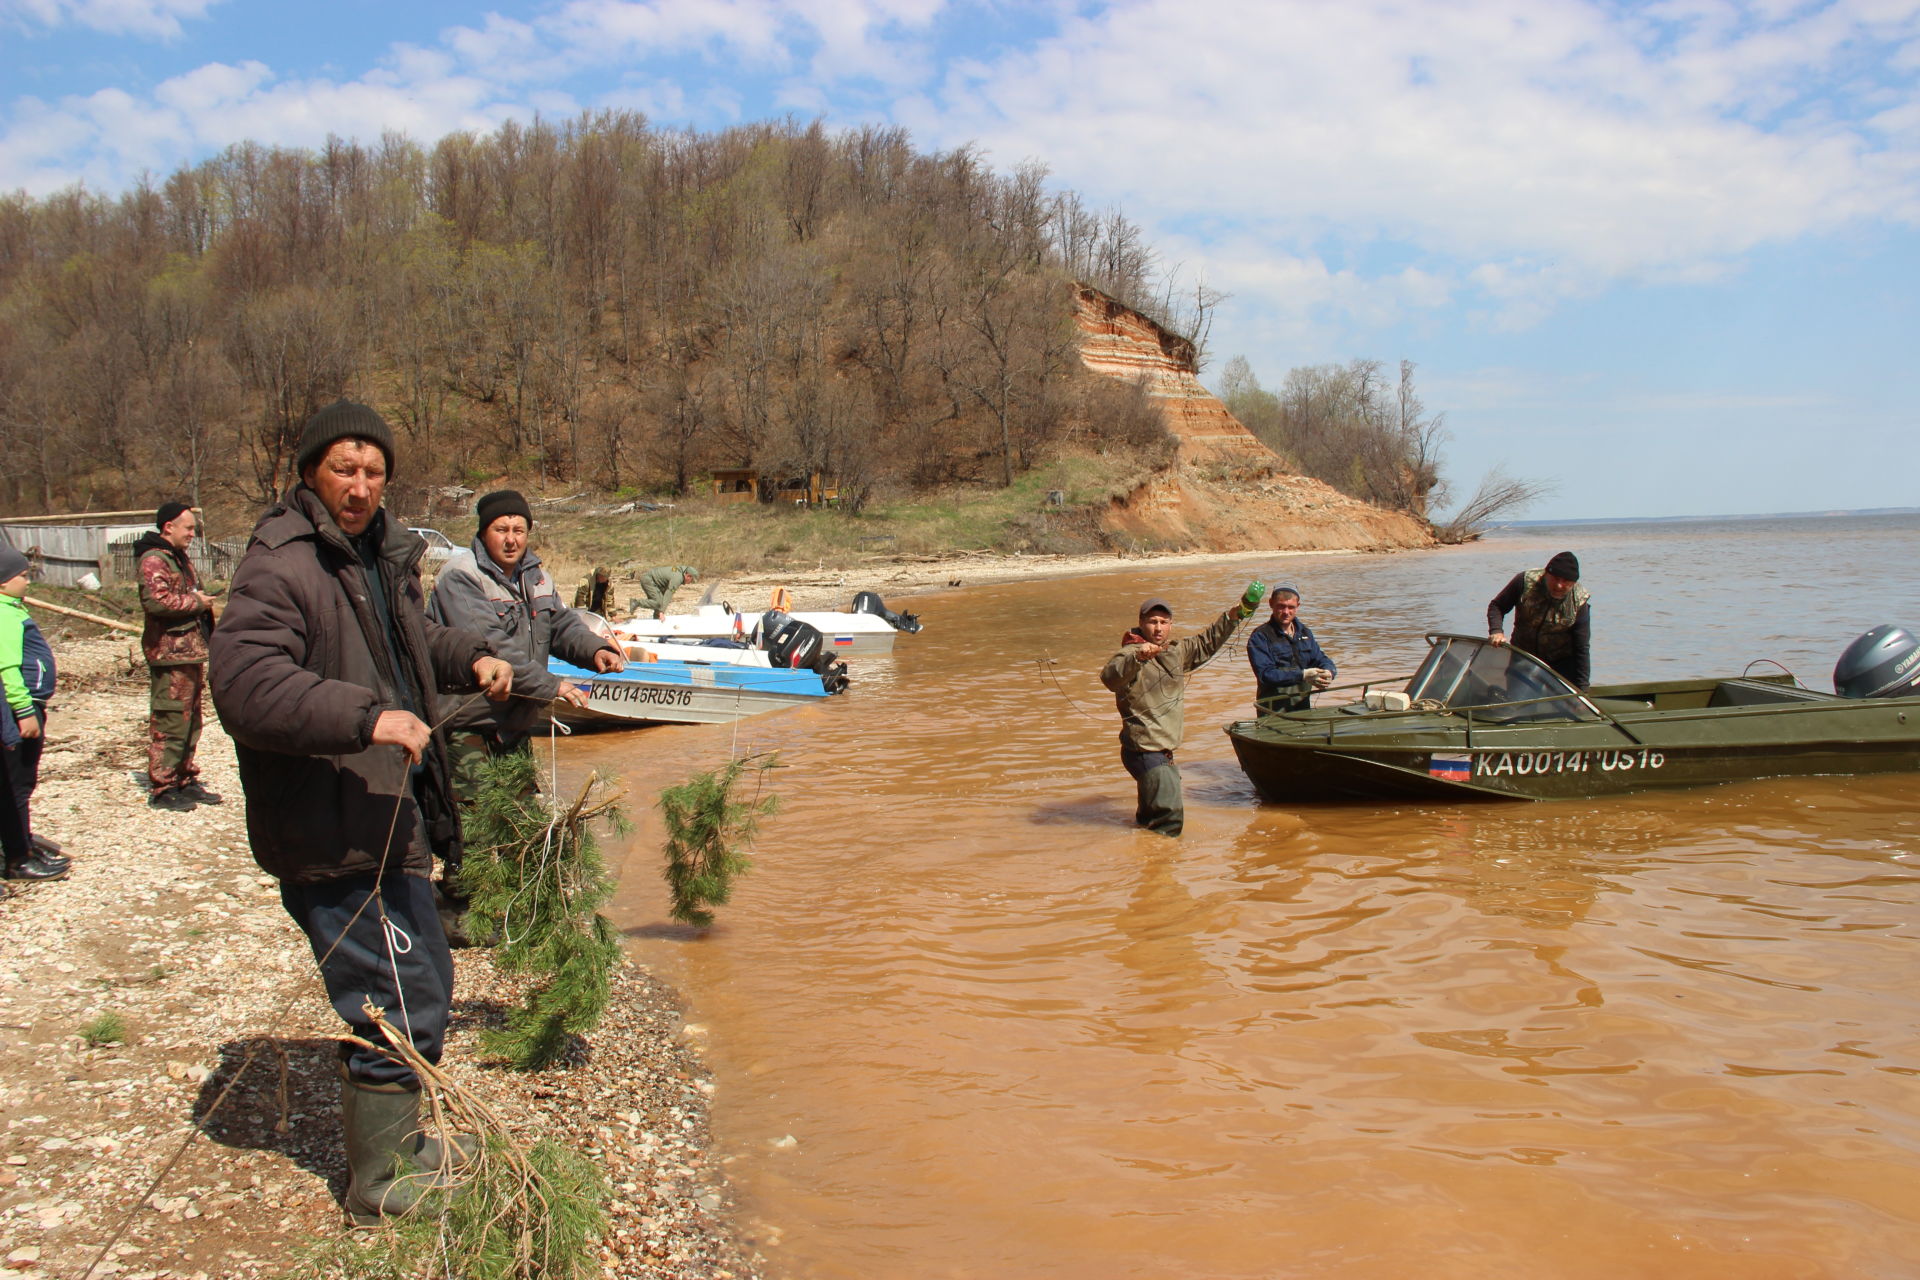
[{"x": 1479, "y": 721}]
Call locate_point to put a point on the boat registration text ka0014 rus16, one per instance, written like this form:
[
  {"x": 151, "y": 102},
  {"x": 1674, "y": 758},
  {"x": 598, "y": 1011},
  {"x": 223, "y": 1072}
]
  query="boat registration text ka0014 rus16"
[{"x": 1489, "y": 764}]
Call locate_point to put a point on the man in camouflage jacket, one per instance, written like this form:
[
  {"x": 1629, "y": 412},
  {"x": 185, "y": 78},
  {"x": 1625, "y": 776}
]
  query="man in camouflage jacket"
[{"x": 179, "y": 618}]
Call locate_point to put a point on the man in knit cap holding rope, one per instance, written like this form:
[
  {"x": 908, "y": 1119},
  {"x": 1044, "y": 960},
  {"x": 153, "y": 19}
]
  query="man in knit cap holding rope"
[
  {"x": 1149, "y": 682},
  {"x": 323, "y": 671},
  {"x": 497, "y": 589}
]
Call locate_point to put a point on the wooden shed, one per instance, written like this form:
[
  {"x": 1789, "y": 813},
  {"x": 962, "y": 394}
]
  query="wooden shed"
[{"x": 65, "y": 548}]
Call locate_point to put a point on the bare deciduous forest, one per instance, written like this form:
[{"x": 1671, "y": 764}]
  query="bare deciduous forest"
[{"x": 597, "y": 304}]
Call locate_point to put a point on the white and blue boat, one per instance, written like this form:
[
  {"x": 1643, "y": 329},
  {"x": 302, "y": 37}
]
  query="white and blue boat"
[{"x": 729, "y": 684}]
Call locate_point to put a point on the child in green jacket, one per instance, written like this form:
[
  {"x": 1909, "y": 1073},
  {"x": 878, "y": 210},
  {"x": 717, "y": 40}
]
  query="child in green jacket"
[{"x": 26, "y": 683}]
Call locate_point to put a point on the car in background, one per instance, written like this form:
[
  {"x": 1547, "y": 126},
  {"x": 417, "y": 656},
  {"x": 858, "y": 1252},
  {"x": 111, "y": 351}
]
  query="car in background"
[{"x": 440, "y": 548}]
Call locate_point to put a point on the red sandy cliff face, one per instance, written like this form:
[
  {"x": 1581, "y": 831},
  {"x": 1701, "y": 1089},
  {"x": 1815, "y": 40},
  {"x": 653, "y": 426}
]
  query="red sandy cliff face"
[{"x": 1226, "y": 491}]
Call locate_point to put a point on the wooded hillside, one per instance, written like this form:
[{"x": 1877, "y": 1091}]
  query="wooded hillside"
[{"x": 597, "y": 303}]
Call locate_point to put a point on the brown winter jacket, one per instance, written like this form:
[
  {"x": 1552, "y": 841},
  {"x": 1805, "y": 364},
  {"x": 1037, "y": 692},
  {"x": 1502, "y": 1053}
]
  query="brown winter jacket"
[
  {"x": 175, "y": 634},
  {"x": 299, "y": 675}
]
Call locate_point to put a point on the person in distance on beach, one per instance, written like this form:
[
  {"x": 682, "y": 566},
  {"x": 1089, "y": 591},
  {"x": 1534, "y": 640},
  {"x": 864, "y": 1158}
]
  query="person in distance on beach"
[
  {"x": 322, "y": 671},
  {"x": 1148, "y": 677},
  {"x": 1289, "y": 666},
  {"x": 658, "y": 586},
  {"x": 179, "y": 618},
  {"x": 1552, "y": 617},
  {"x": 591, "y": 595}
]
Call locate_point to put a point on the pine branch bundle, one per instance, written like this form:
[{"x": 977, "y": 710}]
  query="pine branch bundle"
[
  {"x": 709, "y": 829},
  {"x": 532, "y": 1214},
  {"x": 534, "y": 876}
]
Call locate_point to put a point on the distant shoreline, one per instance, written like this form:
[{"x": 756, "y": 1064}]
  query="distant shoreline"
[{"x": 1757, "y": 515}]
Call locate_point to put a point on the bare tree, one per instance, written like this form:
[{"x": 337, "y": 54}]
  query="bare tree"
[{"x": 1499, "y": 494}]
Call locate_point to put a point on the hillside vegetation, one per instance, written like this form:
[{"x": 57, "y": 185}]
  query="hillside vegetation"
[{"x": 597, "y": 303}]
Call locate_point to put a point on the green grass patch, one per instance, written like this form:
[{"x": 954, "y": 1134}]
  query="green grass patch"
[
  {"x": 722, "y": 539},
  {"x": 108, "y": 1028}
]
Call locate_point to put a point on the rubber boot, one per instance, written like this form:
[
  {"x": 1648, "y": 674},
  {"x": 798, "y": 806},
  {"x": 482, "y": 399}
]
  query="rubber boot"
[
  {"x": 463, "y": 928},
  {"x": 388, "y": 1172}
]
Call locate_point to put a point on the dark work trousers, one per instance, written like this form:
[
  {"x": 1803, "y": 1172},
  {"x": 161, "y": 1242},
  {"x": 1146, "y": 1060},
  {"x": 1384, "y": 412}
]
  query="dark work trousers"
[
  {"x": 14, "y": 836},
  {"x": 23, "y": 775},
  {"x": 1157, "y": 778},
  {"x": 363, "y": 965}
]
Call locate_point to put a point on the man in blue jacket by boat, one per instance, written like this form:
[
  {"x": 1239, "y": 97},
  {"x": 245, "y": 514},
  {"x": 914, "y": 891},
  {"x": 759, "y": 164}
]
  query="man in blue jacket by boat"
[{"x": 1289, "y": 666}]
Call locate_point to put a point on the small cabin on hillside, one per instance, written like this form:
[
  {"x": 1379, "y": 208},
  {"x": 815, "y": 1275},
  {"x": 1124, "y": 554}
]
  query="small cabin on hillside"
[{"x": 745, "y": 484}]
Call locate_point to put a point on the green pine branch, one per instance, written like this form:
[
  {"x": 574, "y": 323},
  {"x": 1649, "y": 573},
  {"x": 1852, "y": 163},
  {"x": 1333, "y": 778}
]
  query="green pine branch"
[
  {"x": 710, "y": 825},
  {"x": 534, "y": 877}
]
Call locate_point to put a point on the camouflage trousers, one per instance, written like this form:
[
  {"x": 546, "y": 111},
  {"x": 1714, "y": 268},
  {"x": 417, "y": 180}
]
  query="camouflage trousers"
[
  {"x": 468, "y": 751},
  {"x": 173, "y": 724}
]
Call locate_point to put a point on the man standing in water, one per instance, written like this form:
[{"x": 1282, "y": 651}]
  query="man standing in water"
[
  {"x": 1149, "y": 682},
  {"x": 1552, "y": 617}
]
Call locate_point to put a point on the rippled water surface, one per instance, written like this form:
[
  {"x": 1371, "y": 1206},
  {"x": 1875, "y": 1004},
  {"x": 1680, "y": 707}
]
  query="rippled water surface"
[{"x": 1671, "y": 1035}]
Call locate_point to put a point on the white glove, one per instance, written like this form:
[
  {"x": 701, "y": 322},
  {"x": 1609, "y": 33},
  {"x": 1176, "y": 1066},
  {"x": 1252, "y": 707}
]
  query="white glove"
[{"x": 1316, "y": 678}]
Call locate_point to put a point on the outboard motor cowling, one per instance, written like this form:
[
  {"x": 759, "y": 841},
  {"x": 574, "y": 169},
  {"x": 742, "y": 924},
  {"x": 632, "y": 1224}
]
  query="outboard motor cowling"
[
  {"x": 1883, "y": 663},
  {"x": 794, "y": 644},
  {"x": 870, "y": 602}
]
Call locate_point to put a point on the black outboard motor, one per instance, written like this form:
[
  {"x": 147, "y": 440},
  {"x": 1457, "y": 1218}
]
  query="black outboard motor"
[
  {"x": 792, "y": 643},
  {"x": 870, "y": 602},
  {"x": 1883, "y": 663}
]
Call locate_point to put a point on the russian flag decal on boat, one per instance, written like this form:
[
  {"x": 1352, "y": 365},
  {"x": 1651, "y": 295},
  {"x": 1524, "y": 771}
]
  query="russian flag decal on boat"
[
  {"x": 840, "y": 640},
  {"x": 1450, "y": 768}
]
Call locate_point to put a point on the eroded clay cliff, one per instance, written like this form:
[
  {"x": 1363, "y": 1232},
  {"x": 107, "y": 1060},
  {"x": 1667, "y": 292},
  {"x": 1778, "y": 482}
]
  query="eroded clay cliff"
[{"x": 1225, "y": 490}]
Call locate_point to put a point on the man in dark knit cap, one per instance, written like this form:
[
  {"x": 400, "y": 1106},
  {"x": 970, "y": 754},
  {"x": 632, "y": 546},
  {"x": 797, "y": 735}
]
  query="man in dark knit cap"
[
  {"x": 179, "y": 618},
  {"x": 324, "y": 671},
  {"x": 497, "y": 589},
  {"x": 1552, "y": 617}
]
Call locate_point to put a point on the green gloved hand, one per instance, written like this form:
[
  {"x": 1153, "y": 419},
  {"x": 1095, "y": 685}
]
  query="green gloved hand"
[{"x": 1256, "y": 592}]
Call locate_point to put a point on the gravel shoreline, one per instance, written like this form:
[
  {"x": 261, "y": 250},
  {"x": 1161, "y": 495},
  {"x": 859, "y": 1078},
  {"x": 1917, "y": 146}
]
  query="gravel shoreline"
[{"x": 167, "y": 923}]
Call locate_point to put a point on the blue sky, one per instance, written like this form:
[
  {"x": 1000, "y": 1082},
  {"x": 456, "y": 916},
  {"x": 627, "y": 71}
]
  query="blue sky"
[{"x": 1663, "y": 256}]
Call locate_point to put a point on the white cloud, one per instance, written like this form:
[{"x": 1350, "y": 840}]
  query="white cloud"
[
  {"x": 1544, "y": 148},
  {"x": 159, "y": 19}
]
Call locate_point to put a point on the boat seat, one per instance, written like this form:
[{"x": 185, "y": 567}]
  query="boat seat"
[
  {"x": 1622, "y": 704},
  {"x": 1762, "y": 693}
]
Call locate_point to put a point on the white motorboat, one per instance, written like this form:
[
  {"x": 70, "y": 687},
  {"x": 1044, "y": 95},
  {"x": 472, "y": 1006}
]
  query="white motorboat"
[
  {"x": 867, "y": 628},
  {"x": 708, "y": 682}
]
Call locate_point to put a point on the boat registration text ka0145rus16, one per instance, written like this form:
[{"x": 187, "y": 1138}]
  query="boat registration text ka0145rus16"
[{"x": 616, "y": 692}]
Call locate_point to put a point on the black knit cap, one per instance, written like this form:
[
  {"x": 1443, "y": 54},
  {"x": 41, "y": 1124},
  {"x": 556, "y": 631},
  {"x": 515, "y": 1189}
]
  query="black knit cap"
[
  {"x": 168, "y": 513},
  {"x": 343, "y": 420},
  {"x": 13, "y": 562},
  {"x": 501, "y": 502},
  {"x": 1565, "y": 566}
]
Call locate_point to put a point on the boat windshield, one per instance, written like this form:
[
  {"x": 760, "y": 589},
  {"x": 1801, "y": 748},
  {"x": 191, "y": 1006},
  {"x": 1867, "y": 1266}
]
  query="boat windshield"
[{"x": 1501, "y": 683}]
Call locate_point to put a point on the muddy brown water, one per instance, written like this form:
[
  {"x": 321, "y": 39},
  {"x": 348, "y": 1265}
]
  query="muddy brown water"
[{"x": 966, "y": 1022}]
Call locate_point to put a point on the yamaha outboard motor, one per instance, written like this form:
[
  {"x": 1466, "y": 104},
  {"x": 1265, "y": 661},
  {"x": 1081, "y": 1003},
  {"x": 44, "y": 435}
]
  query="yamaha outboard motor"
[
  {"x": 1883, "y": 663},
  {"x": 870, "y": 602}
]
